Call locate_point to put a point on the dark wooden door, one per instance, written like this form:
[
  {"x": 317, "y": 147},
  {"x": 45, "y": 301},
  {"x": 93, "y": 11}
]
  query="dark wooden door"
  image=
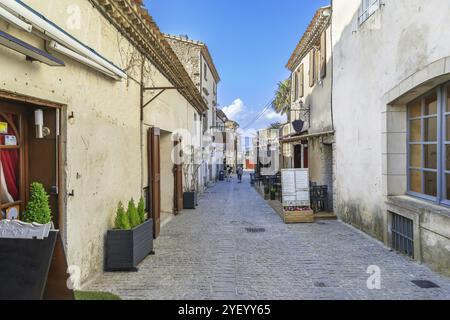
[
  {"x": 43, "y": 159},
  {"x": 305, "y": 157},
  {"x": 298, "y": 156},
  {"x": 154, "y": 167},
  {"x": 178, "y": 176}
]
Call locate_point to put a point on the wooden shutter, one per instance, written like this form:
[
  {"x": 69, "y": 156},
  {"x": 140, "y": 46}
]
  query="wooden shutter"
[
  {"x": 294, "y": 85},
  {"x": 302, "y": 81},
  {"x": 178, "y": 175},
  {"x": 323, "y": 54},
  {"x": 312, "y": 65},
  {"x": 154, "y": 174}
]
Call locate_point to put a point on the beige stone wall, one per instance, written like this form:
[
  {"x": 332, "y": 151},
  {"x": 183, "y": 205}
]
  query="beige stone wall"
[
  {"x": 316, "y": 98},
  {"x": 103, "y": 163},
  {"x": 380, "y": 66}
]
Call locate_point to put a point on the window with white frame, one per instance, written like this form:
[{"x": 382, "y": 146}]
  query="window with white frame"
[
  {"x": 429, "y": 146},
  {"x": 367, "y": 9}
]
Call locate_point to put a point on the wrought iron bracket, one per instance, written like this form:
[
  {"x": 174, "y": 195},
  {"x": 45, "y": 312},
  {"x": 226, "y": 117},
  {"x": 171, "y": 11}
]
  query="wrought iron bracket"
[{"x": 161, "y": 91}]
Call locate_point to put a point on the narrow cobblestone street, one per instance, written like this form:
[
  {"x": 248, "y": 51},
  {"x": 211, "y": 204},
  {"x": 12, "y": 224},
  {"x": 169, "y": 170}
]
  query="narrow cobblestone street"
[{"x": 208, "y": 254}]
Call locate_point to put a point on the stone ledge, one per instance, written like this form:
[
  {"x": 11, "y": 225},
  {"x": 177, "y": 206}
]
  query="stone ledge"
[
  {"x": 426, "y": 215},
  {"x": 414, "y": 204}
]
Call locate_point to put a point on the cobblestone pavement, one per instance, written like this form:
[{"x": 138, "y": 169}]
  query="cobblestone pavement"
[{"x": 208, "y": 254}]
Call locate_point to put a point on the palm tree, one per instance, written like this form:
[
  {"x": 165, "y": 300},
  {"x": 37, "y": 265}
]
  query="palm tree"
[{"x": 282, "y": 102}]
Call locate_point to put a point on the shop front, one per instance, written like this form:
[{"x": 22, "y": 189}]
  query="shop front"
[{"x": 30, "y": 151}]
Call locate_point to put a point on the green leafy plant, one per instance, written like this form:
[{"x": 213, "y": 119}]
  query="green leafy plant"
[
  {"x": 122, "y": 219},
  {"x": 141, "y": 210},
  {"x": 132, "y": 212},
  {"x": 38, "y": 208}
]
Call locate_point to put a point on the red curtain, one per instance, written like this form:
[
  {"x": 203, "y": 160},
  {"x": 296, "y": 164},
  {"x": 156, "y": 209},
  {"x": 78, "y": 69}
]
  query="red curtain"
[{"x": 10, "y": 164}]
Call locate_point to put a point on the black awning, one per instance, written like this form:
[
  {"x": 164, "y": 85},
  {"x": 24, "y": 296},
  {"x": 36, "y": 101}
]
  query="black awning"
[{"x": 28, "y": 50}]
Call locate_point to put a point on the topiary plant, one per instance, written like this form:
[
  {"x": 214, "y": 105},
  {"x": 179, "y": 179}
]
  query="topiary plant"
[
  {"x": 38, "y": 208},
  {"x": 141, "y": 210},
  {"x": 132, "y": 212},
  {"x": 122, "y": 219}
]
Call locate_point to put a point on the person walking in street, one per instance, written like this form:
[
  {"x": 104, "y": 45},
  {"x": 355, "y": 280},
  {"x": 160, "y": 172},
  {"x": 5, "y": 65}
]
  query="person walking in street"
[
  {"x": 228, "y": 172},
  {"x": 240, "y": 172}
]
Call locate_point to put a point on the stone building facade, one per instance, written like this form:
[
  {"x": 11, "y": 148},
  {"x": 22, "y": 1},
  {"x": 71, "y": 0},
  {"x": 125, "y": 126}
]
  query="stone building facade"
[
  {"x": 390, "y": 102},
  {"x": 95, "y": 154},
  {"x": 199, "y": 64},
  {"x": 309, "y": 143}
]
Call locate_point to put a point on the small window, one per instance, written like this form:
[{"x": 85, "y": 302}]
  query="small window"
[
  {"x": 205, "y": 67},
  {"x": 367, "y": 9},
  {"x": 403, "y": 235}
]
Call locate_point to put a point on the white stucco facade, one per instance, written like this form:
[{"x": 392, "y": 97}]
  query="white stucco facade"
[
  {"x": 381, "y": 65},
  {"x": 104, "y": 142}
]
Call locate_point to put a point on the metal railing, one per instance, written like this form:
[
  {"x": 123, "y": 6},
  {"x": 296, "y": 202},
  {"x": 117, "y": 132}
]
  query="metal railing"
[{"x": 403, "y": 235}]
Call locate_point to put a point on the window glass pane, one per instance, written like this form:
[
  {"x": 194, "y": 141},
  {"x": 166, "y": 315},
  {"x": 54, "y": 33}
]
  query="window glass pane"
[
  {"x": 447, "y": 121},
  {"x": 447, "y": 179},
  {"x": 448, "y": 99},
  {"x": 447, "y": 148},
  {"x": 415, "y": 131},
  {"x": 430, "y": 129},
  {"x": 431, "y": 104},
  {"x": 415, "y": 181},
  {"x": 430, "y": 153},
  {"x": 415, "y": 109},
  {"x": 415, "y": 155},
  {"x": 8, "y": 136},
  {"x": 430, "y": 183}
]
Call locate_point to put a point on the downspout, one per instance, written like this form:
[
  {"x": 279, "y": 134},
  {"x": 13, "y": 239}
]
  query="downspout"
[
  {"x": 332, "y": 65},
  {"x": 141, "y": 122}
]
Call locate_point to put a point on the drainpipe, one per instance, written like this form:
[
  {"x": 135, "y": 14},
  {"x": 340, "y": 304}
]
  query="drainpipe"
[{"x": 332, "y": 65}]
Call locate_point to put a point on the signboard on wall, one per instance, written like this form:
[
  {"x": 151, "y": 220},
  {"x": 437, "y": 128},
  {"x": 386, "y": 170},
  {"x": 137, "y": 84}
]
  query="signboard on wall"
[{"x": 295, "y": 187}]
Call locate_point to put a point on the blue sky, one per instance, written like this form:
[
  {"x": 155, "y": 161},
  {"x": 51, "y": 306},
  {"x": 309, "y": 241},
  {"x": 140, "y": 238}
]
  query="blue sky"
[{"x": 250, "y": 41}]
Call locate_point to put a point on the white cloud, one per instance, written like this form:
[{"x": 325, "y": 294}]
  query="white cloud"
[
  {"x": 234, "y": 109},
  {"x": 272, "y": 115}
]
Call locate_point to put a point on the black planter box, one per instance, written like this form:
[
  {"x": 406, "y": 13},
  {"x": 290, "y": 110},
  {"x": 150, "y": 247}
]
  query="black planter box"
[
  {"x": 190, "y": 200},
  {"x": 125, "y": 249},
  {"x": 24, "y": 267}
]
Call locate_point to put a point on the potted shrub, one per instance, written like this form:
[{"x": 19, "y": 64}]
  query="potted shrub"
[
  {"x": 131, "y": 240},
  {"x": 191, "y": 166},
  {"x": 26, "y": 249},
  {"x": 273, "y": 193}
]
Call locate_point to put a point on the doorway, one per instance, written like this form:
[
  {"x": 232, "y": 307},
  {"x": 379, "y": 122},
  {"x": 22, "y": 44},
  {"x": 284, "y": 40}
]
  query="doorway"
[
  {"x": 154, "y": 175},
  {"x": 26, "y": 158},
  {"x": 301, "y": 156}
]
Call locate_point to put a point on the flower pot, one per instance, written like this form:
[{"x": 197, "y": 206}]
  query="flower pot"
[
  {"x": 24, "y": 267},
  {"x": 190, "y": 200},
  {"x": 125, "y": 249}
]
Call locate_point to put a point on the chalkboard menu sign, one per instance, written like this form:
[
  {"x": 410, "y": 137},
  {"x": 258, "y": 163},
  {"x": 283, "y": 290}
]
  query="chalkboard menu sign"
[{"x": 295, "y": 187}]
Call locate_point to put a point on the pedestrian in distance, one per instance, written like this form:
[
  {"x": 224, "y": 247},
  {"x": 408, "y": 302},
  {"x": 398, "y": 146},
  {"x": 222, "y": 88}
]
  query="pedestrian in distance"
[
  {"x": 240, "y": 172},
  {"x": 230, "y": 172}
]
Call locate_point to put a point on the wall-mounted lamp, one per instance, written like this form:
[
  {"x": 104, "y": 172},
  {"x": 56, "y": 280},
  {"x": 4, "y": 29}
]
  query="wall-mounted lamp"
[{"x": 41, "y": 131}]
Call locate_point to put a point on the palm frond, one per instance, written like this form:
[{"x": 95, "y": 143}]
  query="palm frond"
[{"x": 282, "y": 101}]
